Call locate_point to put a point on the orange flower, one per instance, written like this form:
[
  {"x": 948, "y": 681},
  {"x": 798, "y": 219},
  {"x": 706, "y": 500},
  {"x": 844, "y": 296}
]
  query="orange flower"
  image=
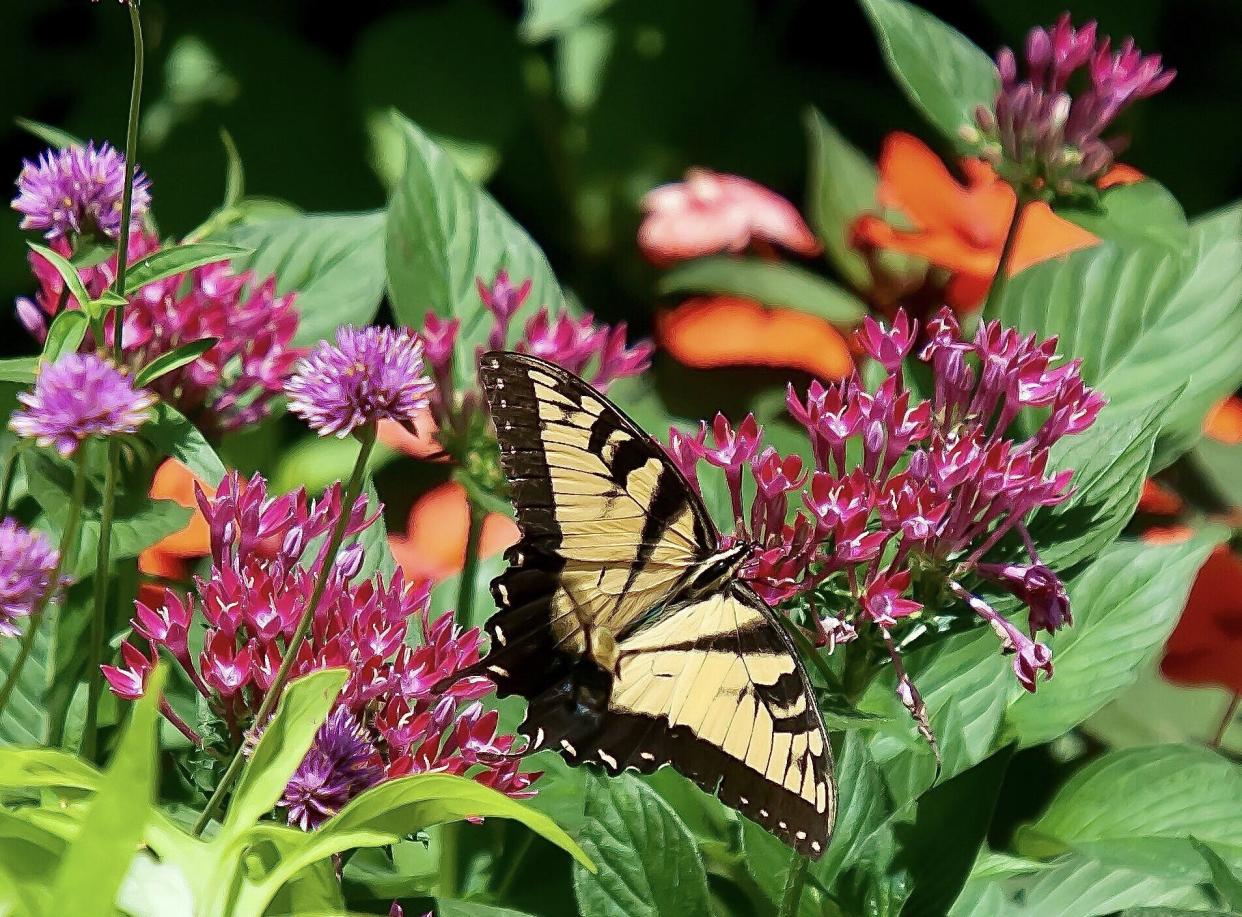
[
  {"x": 423, "y": 445},
  {"x": 1158, "y": 500},
  {"x": 173, "y": 481},
  {"x": 1206, "y": 646},
  {"x": 434, "y": 546},
  {"x": 715, "y": 331},
  {"x": 962, "y": 227},
  {"x": 1224, "y": 421}
]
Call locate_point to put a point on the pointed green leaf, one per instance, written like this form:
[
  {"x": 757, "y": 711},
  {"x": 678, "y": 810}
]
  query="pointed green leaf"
[
  {"x": 65, "y": 334},
  {"x": 1143, "y": 211},
  {"x": 943, "y": 73},
  {"x": 443, "y": 232},
  {"x": 93, "y": 868},
  {"x": 177, "y": 259},
  {"x": 1224, "y": 879},
  {"x": 173, "y": 359},
  {"x": 53, "y": 136},
  {"x": 334, "y": 262},
  {"x": 647, "y": 860},
  {"x": 841, "y": 187},
  {"x": 177, "y": 438}
]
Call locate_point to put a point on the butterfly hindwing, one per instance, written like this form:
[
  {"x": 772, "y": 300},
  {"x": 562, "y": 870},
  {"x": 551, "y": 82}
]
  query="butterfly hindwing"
[
  {"x": 716, "y": 690},
  {"x": 619, "y": 667}
]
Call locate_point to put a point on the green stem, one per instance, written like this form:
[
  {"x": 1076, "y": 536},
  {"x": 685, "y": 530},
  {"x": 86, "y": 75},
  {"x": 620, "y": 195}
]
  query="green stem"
[
  {"x": 127, "y": 194},
  {"x": 1227, "y": 720},
  {"x": 470, "y": 566},
  {"x": 1000, "y": 280},
  {"x": 68, "y": 539},
  {"x": 794, "y": 883},
  {"x": 352, "y": 490},
  {"x": 94, "y": 675},
  {"x": 449, "y": 859}
]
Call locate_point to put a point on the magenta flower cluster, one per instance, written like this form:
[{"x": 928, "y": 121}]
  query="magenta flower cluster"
[
  {"x": 27, "y": 565},
  {"x": 79, "y": 396},
  {"x": 901, "y": 486},
  {"x": 230, "y": 386},
  {"x": 76, "y": 191},
  {"x": 265, "y": 554},
  {"x": 368, "y": 375},
  {"x": 598, "y": 352},
  {"x": 1051, "y": 133}
]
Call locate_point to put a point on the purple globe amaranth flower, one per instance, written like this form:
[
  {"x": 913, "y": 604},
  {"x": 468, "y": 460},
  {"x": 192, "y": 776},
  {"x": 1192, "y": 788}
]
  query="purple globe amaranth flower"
[
  {"x": 340, "y": 764},
  {"x": 27, "y": 564},
  {"x": 231, "y": 385},
  {"x": 1041, "y": 135},
  {"x": 368, "y": 375},
  {"x": 76, "y": 191},
  {"x": 79, "y": 396}
]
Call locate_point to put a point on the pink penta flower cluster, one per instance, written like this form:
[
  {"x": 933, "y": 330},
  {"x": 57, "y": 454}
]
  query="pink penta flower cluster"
[
  {"x": 1051, "y": 134},
  {"x": 595, "y": 351},
  {"x": 228, "y": 387},
  {"x": 901, "y": 486},
  {"x": 266, "y": 554}
]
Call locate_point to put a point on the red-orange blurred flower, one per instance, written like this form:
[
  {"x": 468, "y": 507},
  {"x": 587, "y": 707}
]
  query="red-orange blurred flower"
[
  {"x": 173, "y": 481},
  {"x": 1224, "y": 422},
  {"x": 1158, "y": 500},
  {"x": 962, "y": 227},
  {"x": 1206, "y": 646},
  {"x": 711, "y": 212},
  {"x": 434, "y": 545},
  {"x": 715, "y": 331}
]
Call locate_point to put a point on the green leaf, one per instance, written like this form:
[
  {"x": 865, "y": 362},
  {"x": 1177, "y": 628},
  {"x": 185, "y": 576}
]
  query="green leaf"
[
  {"x": 965, "y": 682},
  {"x": 840, "y": 187},
  {"x": 68, "y": 273},
  {"x": 1138, "y": 807},
  {"x": 950, "y": 826},
  {"x": 333, "y": 261},
  {"x": 1173, "y": 912},
  {"x": 91, "y": 872},
  {"x": 1221, "y": 466},
  {"x": 174, "y": 359},
  {"x": 545, "y": 19},
  {"x": 52, "y": 136},
  {"x": 446, "y": 907},
  {"x": 443, "y": 232},
  {"x": 862, "y": 806},
  {"x": 31, "y": 768},
  {"x": 177, "y": 438},
  {"x": 773, "y": 283},
  {"x": 235, "y": 173},
  {"x": 647, "y": 859},
  {"x": 65, "y": 334},
  {"x": 384, "y": 814},
  {"x": 1109, "y": 460},
  {"x": 1125, "y": 606},
  {"x": 21, "y": 370},
  {"x": 942, "y": 72},
  {"x": 303, "y": 707},
  {"x": 138, "y": 521},
  {"x": 1139, "y": 315},
  {"x": 25, "y": 720},
  {"x": 1224, "y": 880},
  {"x": 1141, "y": 211},
  {"x": 177, "y": 259},
  {"x": 1084, "y": 887}
]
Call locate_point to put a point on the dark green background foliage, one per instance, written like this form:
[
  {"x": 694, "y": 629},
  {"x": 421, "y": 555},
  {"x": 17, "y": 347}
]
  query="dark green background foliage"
[{"x": 568, "y": 145}]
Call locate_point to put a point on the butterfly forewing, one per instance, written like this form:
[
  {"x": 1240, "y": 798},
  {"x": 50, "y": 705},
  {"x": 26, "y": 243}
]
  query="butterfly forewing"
[{"x": 619, "y": 669}]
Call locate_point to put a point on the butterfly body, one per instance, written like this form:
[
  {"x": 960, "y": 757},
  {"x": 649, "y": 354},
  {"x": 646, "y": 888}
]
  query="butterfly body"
[{"x": 623, "y": 621}]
